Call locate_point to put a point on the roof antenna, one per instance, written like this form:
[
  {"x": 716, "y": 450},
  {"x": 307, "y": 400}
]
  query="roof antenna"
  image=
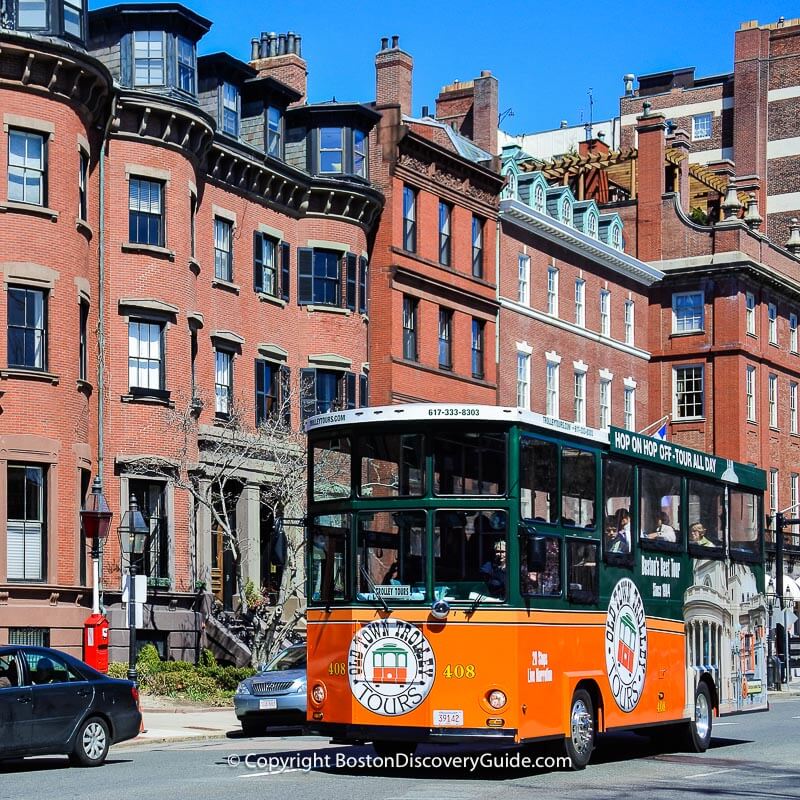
[{"x": 588, "y": 125}]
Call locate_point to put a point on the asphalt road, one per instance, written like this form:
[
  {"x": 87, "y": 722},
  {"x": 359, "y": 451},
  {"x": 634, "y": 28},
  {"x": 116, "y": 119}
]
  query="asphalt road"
[{"x": 750, "y": 756}]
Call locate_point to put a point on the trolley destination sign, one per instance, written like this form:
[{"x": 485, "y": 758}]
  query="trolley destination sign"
[{"x": 669, "y": 454}]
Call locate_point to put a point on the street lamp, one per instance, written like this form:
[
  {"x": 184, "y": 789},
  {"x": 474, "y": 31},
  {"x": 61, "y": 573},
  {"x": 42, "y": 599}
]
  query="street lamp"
[{"x": 133, "y": 533}]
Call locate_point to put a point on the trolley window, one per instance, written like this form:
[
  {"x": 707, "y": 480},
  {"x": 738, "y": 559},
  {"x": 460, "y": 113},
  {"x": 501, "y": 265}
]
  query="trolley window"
[
  {"x": 538, "y": 480},
  {"x": 706, "y": 507},
  {"x": 392, "y": 465},
  {"x": 660, "y": 509},
  {"x": 328, "y": 556},
  {"x": 745, "y": 537},
  {"x": 332, "y": 463},
  {"x": 469, "y": 463},
  {"x": 618, "y": 493},
  {"x": 540, "y": 565},
  {"x": 578, "y": 487},
  {"x": 582, "y": 572}
]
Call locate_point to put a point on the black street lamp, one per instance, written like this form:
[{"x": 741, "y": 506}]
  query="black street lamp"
[
  {"x": 96, "y": 520},
  {"x": 133, "y": 534}
]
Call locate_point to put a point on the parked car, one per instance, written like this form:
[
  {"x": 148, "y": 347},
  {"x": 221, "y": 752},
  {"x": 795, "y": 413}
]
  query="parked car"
[
  {"x": 276, "y": 695},
  {"x": 52, "y": 703}
]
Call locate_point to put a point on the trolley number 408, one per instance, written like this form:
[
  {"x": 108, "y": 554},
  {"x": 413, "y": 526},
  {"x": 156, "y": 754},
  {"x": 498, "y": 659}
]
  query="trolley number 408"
[{"x": 459, "y": 671}]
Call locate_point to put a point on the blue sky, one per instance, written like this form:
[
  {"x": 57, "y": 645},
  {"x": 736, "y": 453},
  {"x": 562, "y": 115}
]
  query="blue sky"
[{"x": 546, "y": 55}]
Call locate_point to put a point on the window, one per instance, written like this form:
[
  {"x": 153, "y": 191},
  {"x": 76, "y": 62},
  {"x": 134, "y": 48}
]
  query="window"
[
  {"x": 331, "y": 150},
  {"x": 551, "y": 389},
  {"x": 326, "y": 277},
  {"x": 223, "y": 382},
  {"x": 274, "y": 132},
  {"x": 31, "y": 14},
  {"x": 538, "y": 198},
  {"x": 148, "y": 58},
  {"x": 523, "y": 380},
  {"x": 745, "y": 514},
  {"x": 795, "y": 487},
  {"x": 605, "y": 403},
  {"x": 628, "y": 319},
  {"x": 701, "y": 126},
  {"x": 363, "y": 285},
  {"x": 230, "y": 109},
  {"x": 616, "y": 237},
  {"x": 538, "y": 479},
  {"x": 410, "y": 309},
  {"x": 687, "y": 312},
  {"x": 193, "y": 225},
  {"x": 223, "y": 253},
  {"x": 510, "y": 189},
  {"x": 772, "y": 398},
  {"x": 445, "y": 213},
  {"x": 793, "y": 427},
  {"x": 320, "y": 275},
  {"x": 145, "y": 355},
  {"x": 27, "y": 328},
  {"x": 688, "y": 392},
  {"x": 580, "y": 302},
  {"x": 773, "y": 491},
  {"x": 392, "y": 465},
  {"x": 543, "y": 576},
  {"x": 605, "y": 312},
  {"x": 266, "y": 261},
  {"x": 151, "y": 497},
  {"x": 750, "y": 312},
  {"x": 471, "y": 463},
  {"x": 477, "y": 348},
  {"x": 26, "y": 534},
  {"x": 324, "y": 390},
  {"x": 83, "y": 178},
  {"x": 145, "y": 215},
  {"x": 26, "y": 168},
  {"x": 591, "y": 225},
  {"x": 409, "y": 219},
  {"x": 579, "y": 398},
  {"x": 272, "y": 392},
  {"x": 552, "y": 291},
  {"x": 750, "y": 392},
  {"x": 629, "y": 408},
  {"x": 660, "y": 513},
  {"x": 360, "y": 154},
  {"x": 618, "y": 493},
  {"x": 523, "y": 278},
  {"x": 578, "y": 487},
  {"x": 793, "y": 333},
  {"x": 363, "y": 390},
  {"x": 186, "y": 65},
  {"x": 83, "y": 345},
  {"x": 477, "y": 247},
  {"x": 582, "y": 572},
  {"x": 772, "y": 314},
  {"x": 445, "y": 338},
  {"x": 566, "y": 211},
  {"x": 706, "y": 515}
]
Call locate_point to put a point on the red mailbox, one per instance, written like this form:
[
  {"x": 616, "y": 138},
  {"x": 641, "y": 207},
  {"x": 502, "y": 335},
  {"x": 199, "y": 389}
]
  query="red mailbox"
[{"x": 95, "y": 642}]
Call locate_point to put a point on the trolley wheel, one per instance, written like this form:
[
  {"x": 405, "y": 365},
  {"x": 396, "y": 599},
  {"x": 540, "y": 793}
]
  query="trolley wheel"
[
  {"x": 578, "y": 745},
  {"x": 386, "y": 749},
  {"x": 696, "y": 734}
]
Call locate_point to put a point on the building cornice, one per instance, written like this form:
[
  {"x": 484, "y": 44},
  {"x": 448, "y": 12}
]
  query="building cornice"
[{"x": 516, "y": 213}]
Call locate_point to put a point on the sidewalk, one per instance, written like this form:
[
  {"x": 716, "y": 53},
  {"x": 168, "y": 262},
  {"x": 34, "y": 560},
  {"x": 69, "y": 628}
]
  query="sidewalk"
[{"x": 170, "y": 720}]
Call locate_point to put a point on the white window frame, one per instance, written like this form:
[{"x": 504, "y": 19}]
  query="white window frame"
[
  {"x": 795, "y": 490},
  {"x": 579, "y": 395},
  {"x": 688, "y": 318},
  {"x": 750, "y": 392},
  {"x": 793, "y": 422},
  {"x": 27, "y": 168},
  {"x": 677, "y": 372},
  {"x": 25, "y": 538},
  {"x": 773, "y": 490},
  {"x": 793, "y": 333},
  {"x": 750, "y": 313},
  {"x": 580, "y": 302},
  {"x": 524, "y": 279},
  {"x": 552, "y": 291},
  {"x": 629, "y": 312},
  {"x": 772, "y": 316},
  {"x": 702, "y": 126},
  {"x": 233, "y": 114},
  {"x": 146, "y": 354},
  {"x": 605, "y": 312},
  {"x": 523, "y": 380},
  {"x": 605, "y": 402},
  {"x": 629, "y": 404},
  {"x": 552, "y": 380},
  {"x": 772, "y": 399},
  {"x": 223, "y": 381}
]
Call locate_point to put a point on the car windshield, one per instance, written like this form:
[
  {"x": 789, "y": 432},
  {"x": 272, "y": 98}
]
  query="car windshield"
[{"x": 293, "y": 658}]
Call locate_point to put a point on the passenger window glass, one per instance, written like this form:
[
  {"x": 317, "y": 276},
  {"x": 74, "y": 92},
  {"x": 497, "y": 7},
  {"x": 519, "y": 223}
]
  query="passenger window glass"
[
  {"x": 9, "y": 675},
  {"x": 538, "y": 480},
  {"x": 47, "y": 669},
  {"x": 578, "y": 488},
  {"x": 744, "y": 532},
  {"x": 392, "y": 466},
  {"x": 582, "y": 572},
  {"x": 706, "y": 506},
  {"x": 540, "y": 565},
  {"x": 469, "y": 555},
  {"x": 391, "y": 551},
  {"x": 332, "y": 461},
  {"x": 660, "y": 513},
  {"x": 470, "y": 463},
  {"x": 328, "y": 578},
  {"x": 618, "y": 491}
]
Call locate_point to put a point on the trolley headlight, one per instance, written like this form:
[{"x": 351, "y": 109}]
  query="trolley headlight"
[
  {"x": 496, "y": 698},
  {"x": 318, "y": 693},
  {"x": 440, "y": 609}
]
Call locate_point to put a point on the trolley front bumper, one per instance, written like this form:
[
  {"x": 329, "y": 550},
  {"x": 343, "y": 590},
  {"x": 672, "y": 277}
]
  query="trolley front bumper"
[{"x": 342, "y": 733}]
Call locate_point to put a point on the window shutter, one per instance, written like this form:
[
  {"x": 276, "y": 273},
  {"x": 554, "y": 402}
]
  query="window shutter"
[
  {"x": 258, "y": 262},
  {"x": 285, "y": 251},
  {"x": 308, "y": 393},
  {"x": 350, "y": 390},
  {"x": 350, "y": 287},
  {"x": 286, "y": 394},
  {"x": 305, "y": 275},
  {"x": 126, "y": 60},
  {"x": 259, "y": 391},
  {"x": 364, "y": 398},
  {"x": 363, "y": 288}
]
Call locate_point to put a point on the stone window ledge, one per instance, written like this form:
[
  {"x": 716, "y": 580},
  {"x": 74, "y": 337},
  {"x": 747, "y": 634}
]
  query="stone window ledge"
[
  {"x": 229, "y": 286},
  {"x": 84, "y": 227},
  {"x": 29, "y": 375},
  {"x": 148, "y": 249},
  {"x": 28, "y": 208},
  {"x": 148, "y": 399},
  {"x": 268, "y": 298},
  {"x": 311, "y": 308}
]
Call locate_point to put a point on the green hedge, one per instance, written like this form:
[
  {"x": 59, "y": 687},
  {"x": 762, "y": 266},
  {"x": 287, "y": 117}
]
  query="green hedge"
[{"x": 207, "y": 681}]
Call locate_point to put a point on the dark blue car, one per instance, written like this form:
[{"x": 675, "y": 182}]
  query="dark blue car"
[{"x": 52, "y": 703}]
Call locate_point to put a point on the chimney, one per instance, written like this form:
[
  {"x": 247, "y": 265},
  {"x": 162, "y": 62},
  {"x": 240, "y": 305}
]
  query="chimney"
[
  {"x": 484, "y": 112},
  {"x": 679, "y": 140},
  {"x": 393, "y": 73},
  {"x": 650, "y": 128},
  {"x": 279, "y": 56}
]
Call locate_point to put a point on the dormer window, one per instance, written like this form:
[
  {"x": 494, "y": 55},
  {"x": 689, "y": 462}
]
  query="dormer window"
[
  {"x": 148, "y": 57},
  {"x": 538, "y": 198},
  {"x": 73, "y": 18},
  {"x": 511, "y": 186},
  {"x": 331, "y": 149},
  {"x": 187, "y": 69},
  {"x": 615, "y": 237},
  {"x": 360, "y": 154},
  {"x": 230, "y": 109},
  {"x": 274, "y": 132},
  {"x": 31, "y": 15},
  {"x": 591, "y": 225},
  {"x": 566, "y": 211}
]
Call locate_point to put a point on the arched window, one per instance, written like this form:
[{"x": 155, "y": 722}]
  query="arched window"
[
  {"x": 616, "y": 237},
  {"x": 591, "y": 225},
  {"x": 510, "y": 190},
  {"x": 566, "y": 211},
  {"x": 538, "y": 198}
]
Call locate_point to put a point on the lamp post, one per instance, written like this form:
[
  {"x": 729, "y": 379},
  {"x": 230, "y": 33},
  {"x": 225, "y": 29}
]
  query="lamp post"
[
  {"x": 133, "y": 533},
  {"x": 96, "y": 521}
]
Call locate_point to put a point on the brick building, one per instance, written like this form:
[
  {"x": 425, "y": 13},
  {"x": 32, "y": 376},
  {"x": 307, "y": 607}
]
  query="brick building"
[{"x": 187, "y": 224}]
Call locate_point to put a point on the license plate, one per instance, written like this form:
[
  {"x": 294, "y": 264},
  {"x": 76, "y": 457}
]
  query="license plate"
[
  {"x": 448, "y": 719},
  {"x": 267, "y": 705}
]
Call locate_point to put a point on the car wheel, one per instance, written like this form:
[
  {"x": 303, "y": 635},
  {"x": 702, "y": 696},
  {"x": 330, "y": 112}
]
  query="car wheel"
[
  {"x": 578, "y": 745},
  {"x": 252, "y": 727},
  {"x": 391, "y": 749},
  {"x": 91, "y": 743}
]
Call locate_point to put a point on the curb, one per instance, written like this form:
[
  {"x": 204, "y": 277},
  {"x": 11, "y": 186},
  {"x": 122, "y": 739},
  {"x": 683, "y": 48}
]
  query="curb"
[
  {"x": 140, "y": 740},
  {"x": 184, "y": 709}
]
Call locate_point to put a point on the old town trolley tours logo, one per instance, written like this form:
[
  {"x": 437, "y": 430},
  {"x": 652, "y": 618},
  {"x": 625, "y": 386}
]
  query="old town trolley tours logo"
[
  {"x": 391, "y": 667},
  {"x": 626, "y": 644}
]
